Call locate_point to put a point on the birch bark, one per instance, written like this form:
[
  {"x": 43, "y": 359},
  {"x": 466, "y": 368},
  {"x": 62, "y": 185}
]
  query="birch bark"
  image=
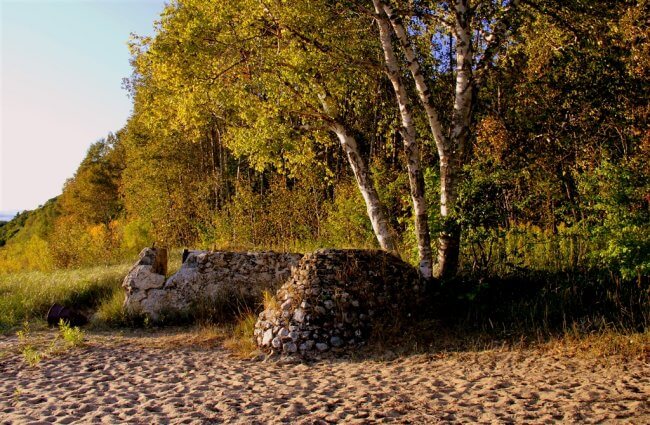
[
  {"x": 451, "y": 149},
  {"x": 451, "y": 163},
  {"x": 411, "y": 150},
  {"x": 421, "y": 86},
  {"x": 366, "y": 187}
]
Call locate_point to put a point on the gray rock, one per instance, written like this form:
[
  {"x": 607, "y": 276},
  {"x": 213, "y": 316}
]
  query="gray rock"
[
  {"x": 325, "y": 305},
  {"x": 284, "y": 334},
  {"x": 286, "y": 305},
  {"x": 203, "y": 275},
  {"x": 299, "y": 315},
  {"x": 289, "y": 347},
  {"x": 142, "y": 278},
  {"x": 267, "y": 338},
  {"x": 336, "y": 341},
  {"x": 276, "y": 343}
]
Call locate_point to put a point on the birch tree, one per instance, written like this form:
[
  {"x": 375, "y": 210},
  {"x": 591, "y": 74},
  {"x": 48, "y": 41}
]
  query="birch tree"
[{"x": 477, "y": 31}]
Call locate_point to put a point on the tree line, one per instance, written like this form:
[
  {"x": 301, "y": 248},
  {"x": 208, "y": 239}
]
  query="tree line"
[{"x": 481, "y": 135}]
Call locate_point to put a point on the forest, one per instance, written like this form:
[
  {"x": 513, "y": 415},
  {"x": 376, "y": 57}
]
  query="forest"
[{"x": 498, "y": 145}]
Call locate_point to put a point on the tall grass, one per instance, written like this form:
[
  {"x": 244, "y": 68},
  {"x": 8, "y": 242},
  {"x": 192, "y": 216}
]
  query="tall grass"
[
  {"x": 28, "y": 295},
  {"x": 525, "y": 247}
]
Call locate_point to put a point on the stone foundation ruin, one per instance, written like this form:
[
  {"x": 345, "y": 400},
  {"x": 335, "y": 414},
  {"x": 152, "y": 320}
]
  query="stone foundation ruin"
[
  {"x": 203, "y": 276},
  {"x": 326, "y": 300}
]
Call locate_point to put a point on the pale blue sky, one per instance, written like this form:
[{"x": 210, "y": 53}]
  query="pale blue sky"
[{"x": 61, "y": 70}]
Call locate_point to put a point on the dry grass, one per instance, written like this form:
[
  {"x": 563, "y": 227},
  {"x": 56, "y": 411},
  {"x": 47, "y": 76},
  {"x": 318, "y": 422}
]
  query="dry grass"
[
  {"x": 609, "y": 343},
  {"x": 241, "y": 342},
  {"x": 269, "y": 301},
  {"x": 429, "y": 337}
]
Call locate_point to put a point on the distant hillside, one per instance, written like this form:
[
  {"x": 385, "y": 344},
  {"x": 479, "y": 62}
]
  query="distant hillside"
[{"x": 27, "y": 223}]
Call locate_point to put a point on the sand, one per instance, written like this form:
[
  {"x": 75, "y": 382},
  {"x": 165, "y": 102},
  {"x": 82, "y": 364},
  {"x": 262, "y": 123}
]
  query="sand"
[{"x": 135, "y": 379}]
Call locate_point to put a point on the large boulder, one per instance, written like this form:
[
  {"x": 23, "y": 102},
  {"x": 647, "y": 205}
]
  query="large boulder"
[
  {"x": 147, "y": 274},
  {"x": 335, "y": 298},
  {"x": 206, "y": 276}
]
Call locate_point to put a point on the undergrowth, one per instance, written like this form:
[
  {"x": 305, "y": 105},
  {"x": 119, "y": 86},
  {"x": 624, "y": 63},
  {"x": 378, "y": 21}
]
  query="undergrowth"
[
  {"x": 538, "y": 302},
  {"x": 588, "y": 309}
]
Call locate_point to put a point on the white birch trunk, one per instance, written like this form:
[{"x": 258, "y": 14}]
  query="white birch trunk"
[
  {"x": 411, "y": 150},
  {"x": 421, "y": 86},
  {"x": 451, "y": 164},
  {"x": 451, "y": 150},
  {"x": 366, "y": 187},
  {"x": 452, "y": 146},
  {"x": 463, "y": 93}
]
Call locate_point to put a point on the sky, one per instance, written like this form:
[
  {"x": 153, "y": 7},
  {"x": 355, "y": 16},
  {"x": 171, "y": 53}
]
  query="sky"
[{"x": 61, "y": 68}]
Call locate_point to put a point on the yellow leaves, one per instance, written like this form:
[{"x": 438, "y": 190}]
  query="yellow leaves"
[
  {"x": 32, "y": 254},
  {"x": 97, "y": 232},
  {"x": 491, "y": 138},
  {"x": 544, "y": 41}
]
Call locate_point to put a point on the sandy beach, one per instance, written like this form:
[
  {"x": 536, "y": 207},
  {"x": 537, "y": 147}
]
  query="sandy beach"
[{"x": 147, "y": 379}]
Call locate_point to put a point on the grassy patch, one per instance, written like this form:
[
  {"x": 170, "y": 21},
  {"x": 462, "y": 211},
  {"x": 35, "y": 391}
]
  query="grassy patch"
[
  {"x": 603, "y": 344},
  {"x": 269, "y": 301},
  {"x": 111, "y": 314},
  {"x": 27, "y": 296},
  {"x": 538, "y": 302}
]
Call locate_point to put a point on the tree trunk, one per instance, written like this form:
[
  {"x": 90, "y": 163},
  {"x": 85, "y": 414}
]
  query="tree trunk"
[
  {"x": 416, "y": 178},
  {"x": 463, "y": 97},
  {"x": 367, "y": 188},
  {"x": 449, "y": 238},
  {"x": 452, "y": 158},
  {"x": 450, "y": 149},
  {"x": 421, "y": 85}
]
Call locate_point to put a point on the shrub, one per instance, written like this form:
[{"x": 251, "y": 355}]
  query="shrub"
[{"x": 72, "y": 335}]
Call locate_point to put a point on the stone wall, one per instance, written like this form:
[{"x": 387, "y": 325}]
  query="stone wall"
[
  {"x": 335, "y": 298},
  {"x": 204, "y": 275}
]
